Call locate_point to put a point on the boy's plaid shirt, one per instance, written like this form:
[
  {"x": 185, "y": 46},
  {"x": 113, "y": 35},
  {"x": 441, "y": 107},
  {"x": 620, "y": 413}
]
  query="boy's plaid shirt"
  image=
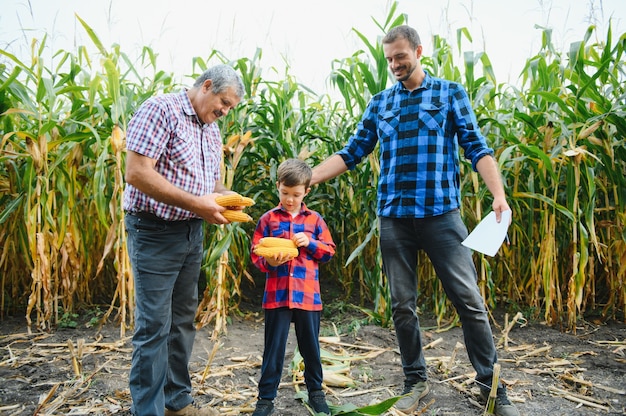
[{"x": 294, "y": 284}]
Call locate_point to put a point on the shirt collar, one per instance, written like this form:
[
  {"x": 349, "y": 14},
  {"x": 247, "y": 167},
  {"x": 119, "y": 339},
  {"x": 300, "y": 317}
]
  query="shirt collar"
[
  {"x": 189, "y": 110},
  {"x": 427, "y": 83},
  {"x": 303, "y": 209}
]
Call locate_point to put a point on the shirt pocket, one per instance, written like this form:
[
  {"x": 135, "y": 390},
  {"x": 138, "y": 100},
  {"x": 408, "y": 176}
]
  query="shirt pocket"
[
  {"x": 212, "y": 152},
  {"x": 388, "y": 122},
  {"x": 432, "y": 117},
  {"x": 182, "y": 147}
]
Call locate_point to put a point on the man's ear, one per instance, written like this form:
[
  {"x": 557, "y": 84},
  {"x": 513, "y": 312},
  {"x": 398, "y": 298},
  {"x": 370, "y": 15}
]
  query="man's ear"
[
  {"x": 207, "y": 85},
  {"x": 307, "y": 191}
]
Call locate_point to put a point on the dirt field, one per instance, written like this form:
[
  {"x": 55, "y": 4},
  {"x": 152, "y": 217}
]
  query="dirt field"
[{"x": 548, "y": 372}]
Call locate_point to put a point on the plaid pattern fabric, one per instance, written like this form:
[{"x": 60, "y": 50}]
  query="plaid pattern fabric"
[
  {"x": 294, "y": 284},
  {"x": 419, "y": 133},
  {"x": 188, "y": 153}
]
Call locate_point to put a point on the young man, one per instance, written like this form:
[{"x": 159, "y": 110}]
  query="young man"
[
  {"x": 419, "y": 123},
  {"x": 173, "y": 177},
  {"x": 292, "y": 287}
]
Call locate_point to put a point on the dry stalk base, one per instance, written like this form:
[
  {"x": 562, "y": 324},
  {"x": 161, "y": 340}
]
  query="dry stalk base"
[{"x": 546, "y": 371}]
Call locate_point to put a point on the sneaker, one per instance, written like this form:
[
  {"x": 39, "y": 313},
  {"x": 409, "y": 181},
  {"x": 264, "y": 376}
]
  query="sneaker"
[
  {"x": 263, "y": 408},
  {"x": 193, "y": 410},
  {"x": 317, "y": 400},
  {"x": 503, "y": 406},
  {"x": 413, "y": 394}
]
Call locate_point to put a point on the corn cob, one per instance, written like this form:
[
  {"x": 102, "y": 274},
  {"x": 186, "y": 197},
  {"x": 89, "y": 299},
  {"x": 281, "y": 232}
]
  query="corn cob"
[
  {"x": 236, "y": 216},
  {"x": 117, "y": 138},
  {"x": 272, "y": 251},
  {"x": 277, "y": 242},
  {"x": 229, "y": 200},
  {"x": 234, "y": 200},
  {"x": 338, "y": 380},
  {"x": 246, "y": 202}
]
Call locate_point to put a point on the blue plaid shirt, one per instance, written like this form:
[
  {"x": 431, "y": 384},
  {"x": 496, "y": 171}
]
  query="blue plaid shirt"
[{"x": 419, "y": 134}]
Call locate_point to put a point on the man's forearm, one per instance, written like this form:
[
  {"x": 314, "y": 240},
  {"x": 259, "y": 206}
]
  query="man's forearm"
[
  {"x": 160, "y": 189},
  {"x": 328, "y": 169},
  {"x": 140, "y": 173},
  {"x": 489, "y": 171}
]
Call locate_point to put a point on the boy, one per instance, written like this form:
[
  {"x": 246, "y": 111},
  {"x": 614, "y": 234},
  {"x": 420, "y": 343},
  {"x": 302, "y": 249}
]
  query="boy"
[{"x": 292, "y": 290}]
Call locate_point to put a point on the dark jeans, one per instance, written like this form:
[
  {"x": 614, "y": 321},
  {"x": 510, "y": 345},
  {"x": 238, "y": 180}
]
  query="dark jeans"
[
  {"x": 166, "y": 259},
  {"x": 440, "y": 237},
  {"x": 307, "y": 326}
]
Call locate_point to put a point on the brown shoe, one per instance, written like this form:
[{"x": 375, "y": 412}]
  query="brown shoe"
[
  {"x": 193, "y": 410},
  {"x": 502, "y": 405},
  {"x": 411, "y": 396}
]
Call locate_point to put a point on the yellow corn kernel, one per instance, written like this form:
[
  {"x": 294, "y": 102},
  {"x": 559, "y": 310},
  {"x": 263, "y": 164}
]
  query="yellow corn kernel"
[
  {"x": 236, "y": 216},
  {"x": 246, "y": 202},
  {"x": 230, "y": 200},
  {"x": 277, "y": 242},
  {"x": 234, "y": 200},
  {"x": 272, "y": 251}
]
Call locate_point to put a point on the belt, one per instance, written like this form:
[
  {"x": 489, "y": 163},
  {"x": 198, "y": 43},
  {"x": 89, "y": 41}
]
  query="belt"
[{"x": 153, "y": 217}]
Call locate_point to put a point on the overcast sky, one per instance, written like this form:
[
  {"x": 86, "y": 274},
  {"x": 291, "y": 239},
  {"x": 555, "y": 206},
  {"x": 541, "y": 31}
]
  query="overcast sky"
[{"x": 306, "y": 35}]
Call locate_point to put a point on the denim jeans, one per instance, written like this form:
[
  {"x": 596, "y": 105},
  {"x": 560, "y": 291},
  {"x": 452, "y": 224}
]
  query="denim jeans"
[
  {"x": 440, "y": 237},
  {"x": 165, "y": 259},
  {"x": 277, "y": 324}
]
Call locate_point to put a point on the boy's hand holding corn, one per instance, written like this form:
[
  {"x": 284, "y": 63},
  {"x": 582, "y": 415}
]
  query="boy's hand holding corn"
[
  {"x": 301, "y": 240},
  {"x": 276, "y": 251}
]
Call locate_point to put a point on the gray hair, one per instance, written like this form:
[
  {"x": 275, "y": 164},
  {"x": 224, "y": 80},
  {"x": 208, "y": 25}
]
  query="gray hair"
[
  {"x": 405, "y": 32},
  {"x": 222, "y": 77}
]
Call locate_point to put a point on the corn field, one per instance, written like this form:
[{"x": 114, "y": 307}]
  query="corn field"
[{"x": 560, "y": 141}]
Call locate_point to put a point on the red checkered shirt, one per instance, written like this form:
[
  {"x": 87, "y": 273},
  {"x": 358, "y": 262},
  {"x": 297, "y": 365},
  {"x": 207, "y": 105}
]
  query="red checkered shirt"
[
  {"x": 188, "y": 153},
  {"x": 294, "y": 284}
]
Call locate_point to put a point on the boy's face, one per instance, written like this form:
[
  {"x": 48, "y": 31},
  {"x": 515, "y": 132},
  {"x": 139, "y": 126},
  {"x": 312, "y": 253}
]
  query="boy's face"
[{"x": 291, "y": 196}]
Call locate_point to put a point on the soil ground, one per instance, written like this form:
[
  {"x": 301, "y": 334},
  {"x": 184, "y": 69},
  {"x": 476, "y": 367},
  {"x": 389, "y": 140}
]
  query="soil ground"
[{"x": 547, "y": 371}]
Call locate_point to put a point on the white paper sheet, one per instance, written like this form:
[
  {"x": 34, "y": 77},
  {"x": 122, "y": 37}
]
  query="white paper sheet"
[{"x": 488, "y": 235}]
